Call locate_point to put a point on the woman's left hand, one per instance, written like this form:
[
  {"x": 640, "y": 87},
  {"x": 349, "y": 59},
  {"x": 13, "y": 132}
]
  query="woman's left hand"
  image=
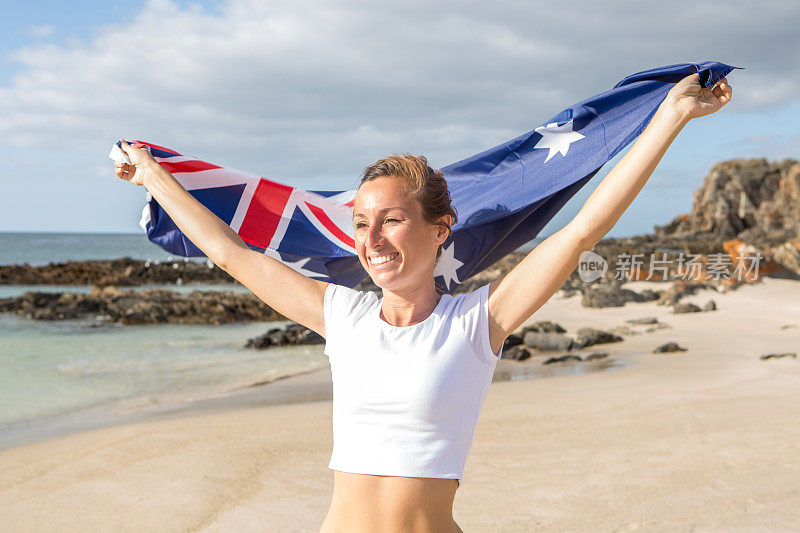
[{"x": 691, "y": 100}]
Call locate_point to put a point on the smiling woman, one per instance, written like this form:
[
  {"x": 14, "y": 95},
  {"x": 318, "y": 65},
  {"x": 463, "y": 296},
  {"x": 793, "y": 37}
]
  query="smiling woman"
[
  {"x": 411, "y": 370},
  {"x": 402, "y": 215}
]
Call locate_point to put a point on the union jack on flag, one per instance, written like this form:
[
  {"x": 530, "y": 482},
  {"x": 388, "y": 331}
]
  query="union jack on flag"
[{"x": 503, "y": 196}]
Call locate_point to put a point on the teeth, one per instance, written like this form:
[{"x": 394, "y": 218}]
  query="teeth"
[{"x": 382, "y": 259}]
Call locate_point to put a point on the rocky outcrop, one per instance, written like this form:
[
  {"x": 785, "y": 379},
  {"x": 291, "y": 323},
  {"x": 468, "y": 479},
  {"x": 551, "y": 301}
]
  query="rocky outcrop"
[
  {"x": 123, "y": 272},
  {"x": 153, "y": 306},
  {"x": 750, "y": 199},
  {"x": 753, "y": 204}
]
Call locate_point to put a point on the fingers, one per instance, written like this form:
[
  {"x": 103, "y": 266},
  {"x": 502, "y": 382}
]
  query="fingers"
[
  {"x": 723, "y": 90},
  {"x": 121, "y": 169}
]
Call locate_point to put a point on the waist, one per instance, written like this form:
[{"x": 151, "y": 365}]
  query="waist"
[{"x": 391, "y": 503}]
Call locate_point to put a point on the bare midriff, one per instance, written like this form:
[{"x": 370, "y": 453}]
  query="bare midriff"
[{"x": 363, "y": 502}]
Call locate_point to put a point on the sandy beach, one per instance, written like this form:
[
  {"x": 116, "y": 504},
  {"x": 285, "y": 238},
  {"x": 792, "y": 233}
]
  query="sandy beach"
[{"x": 702, "y": 440}]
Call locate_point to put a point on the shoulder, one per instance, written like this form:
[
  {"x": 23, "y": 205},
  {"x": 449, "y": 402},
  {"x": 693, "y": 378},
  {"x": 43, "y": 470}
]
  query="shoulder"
[
  {"x": 471, "y": 310},
  {"x": 344, "y": 299}
]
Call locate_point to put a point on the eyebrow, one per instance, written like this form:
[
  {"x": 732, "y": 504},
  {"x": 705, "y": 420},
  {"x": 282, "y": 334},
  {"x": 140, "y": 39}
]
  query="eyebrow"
[{"x": 381, "y": 211}]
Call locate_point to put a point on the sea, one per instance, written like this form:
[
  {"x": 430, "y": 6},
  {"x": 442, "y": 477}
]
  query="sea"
[{"x": 65, "y": 376}]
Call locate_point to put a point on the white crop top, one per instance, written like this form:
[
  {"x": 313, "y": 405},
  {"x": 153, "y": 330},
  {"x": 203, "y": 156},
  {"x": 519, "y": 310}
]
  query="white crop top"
[{"x": 406, "y": 399}]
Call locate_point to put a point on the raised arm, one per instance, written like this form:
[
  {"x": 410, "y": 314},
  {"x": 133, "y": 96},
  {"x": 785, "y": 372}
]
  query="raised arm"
[
  {"x": 519, "y": 294},
  {"x": 290, "y": 293}
]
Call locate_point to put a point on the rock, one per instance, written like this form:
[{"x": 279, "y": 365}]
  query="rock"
[
  {"x": 152, "y": 306},
  {"x": 260, "y": 342},
  {"x": 685, "y": 308},
  {"x": 669, "y": 347},
  {"x": 778, "y": 355},
  {"x": 119, "y": 272},
  {"x": 293, "y": 335},
  {"x": 595, "y": 356},
  {"x": 750, "y": 199},
  {"x": 622, "y": 330},
  {"x": 543, "y": 326},
  {"x": 678, "y": 290},
  {"x": 512, "y": 340},
  {"x": 547, "y": 341},
  {"x": 590, "y": 336},
  {"x": 787, "y": 255},
  {"x": 562, "y": 359},
  {"x": 613, "y": 296},
  {"x": 643, "y": 320},
  {"x": 710, "y": 305},
  {"x": 517, "y": 353},
  {"x": 658, "y": 326}
]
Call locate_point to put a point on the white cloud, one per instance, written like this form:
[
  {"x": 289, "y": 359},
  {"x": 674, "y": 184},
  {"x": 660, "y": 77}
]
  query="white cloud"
[
  {"x": 314, "y": 88},
  {"x": 44, "y": 30}
]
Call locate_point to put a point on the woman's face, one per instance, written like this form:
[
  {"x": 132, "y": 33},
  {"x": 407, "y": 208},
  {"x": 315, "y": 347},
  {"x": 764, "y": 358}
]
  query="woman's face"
[{"x": 389, "y": 225}]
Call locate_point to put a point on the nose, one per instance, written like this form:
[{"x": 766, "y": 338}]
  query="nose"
[{"x": 374, "y": 235}]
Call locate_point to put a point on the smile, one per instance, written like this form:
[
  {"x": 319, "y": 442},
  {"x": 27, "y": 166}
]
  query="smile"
[{"x": 376, "y": 261}]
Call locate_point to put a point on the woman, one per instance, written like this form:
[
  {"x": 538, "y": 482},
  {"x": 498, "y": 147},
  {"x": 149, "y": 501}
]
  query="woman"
[{"x": 410, "y": 370}]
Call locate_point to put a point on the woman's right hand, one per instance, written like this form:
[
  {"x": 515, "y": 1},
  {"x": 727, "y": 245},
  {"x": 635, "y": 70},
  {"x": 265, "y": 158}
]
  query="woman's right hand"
[{"x": 141, "y": 161}]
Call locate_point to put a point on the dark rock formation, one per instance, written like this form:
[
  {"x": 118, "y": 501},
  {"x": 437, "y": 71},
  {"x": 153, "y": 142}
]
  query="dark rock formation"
[
  {"x": 153, "y": 306},
  {"x": 543, "y": 326},
  {"x": 591, "y": 336},
  {"x": 512, "y": 340},
  {"x": 516, "y": 353},
  {"x": 123, "y": 272},
  {"x": 291, "y": 335},
  {"x": 685, "y": 308},
  {"x": 669, "y": 347}
]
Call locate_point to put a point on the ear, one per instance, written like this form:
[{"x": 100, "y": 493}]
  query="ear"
[{"x": 443, "y": 232}]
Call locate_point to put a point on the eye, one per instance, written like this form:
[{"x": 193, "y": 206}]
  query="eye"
[
  {"x": 359, "y": 225},
  {"x": 392, "y": 220}
]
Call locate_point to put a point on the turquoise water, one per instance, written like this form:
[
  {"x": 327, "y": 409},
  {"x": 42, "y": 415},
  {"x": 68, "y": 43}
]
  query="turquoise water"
[
  {"x": 54, "y": 372},
  {"x": 44, "y": 248},
  {"x": 53, "y": 369}
]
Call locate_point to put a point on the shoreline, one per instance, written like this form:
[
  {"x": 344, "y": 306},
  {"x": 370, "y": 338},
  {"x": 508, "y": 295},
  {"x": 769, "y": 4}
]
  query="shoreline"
[
  {"x": 315, "y": 385},
  {"x": 302, "y": 387},
  {"x": 709, "y": 431}
]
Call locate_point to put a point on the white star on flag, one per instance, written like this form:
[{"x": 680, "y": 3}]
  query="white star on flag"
[
  {"x": 557, "y": 138},
  {"x": 297, "y": 266},
  {"x": 447, "y": 265}
]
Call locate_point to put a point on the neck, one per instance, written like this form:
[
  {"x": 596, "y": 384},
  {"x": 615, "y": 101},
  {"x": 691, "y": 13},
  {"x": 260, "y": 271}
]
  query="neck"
[{"x": 409, "y": 306}]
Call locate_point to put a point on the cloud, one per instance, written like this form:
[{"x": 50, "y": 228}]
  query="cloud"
[
  {"x": 44, "y": 30},
  {"x": 294, "y": 89}
]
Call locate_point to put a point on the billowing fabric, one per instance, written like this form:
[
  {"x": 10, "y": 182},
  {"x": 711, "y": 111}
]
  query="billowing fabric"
[
  {"x": 504, "y": 196},
  {"x": 406, "y": 399}
]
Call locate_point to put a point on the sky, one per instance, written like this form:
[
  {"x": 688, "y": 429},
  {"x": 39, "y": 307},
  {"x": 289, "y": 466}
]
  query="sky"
[{"x": 308, "y": 93}]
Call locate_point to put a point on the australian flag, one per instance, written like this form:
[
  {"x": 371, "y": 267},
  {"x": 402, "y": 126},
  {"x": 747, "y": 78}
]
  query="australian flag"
[{"x": 504, "y": 196}]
